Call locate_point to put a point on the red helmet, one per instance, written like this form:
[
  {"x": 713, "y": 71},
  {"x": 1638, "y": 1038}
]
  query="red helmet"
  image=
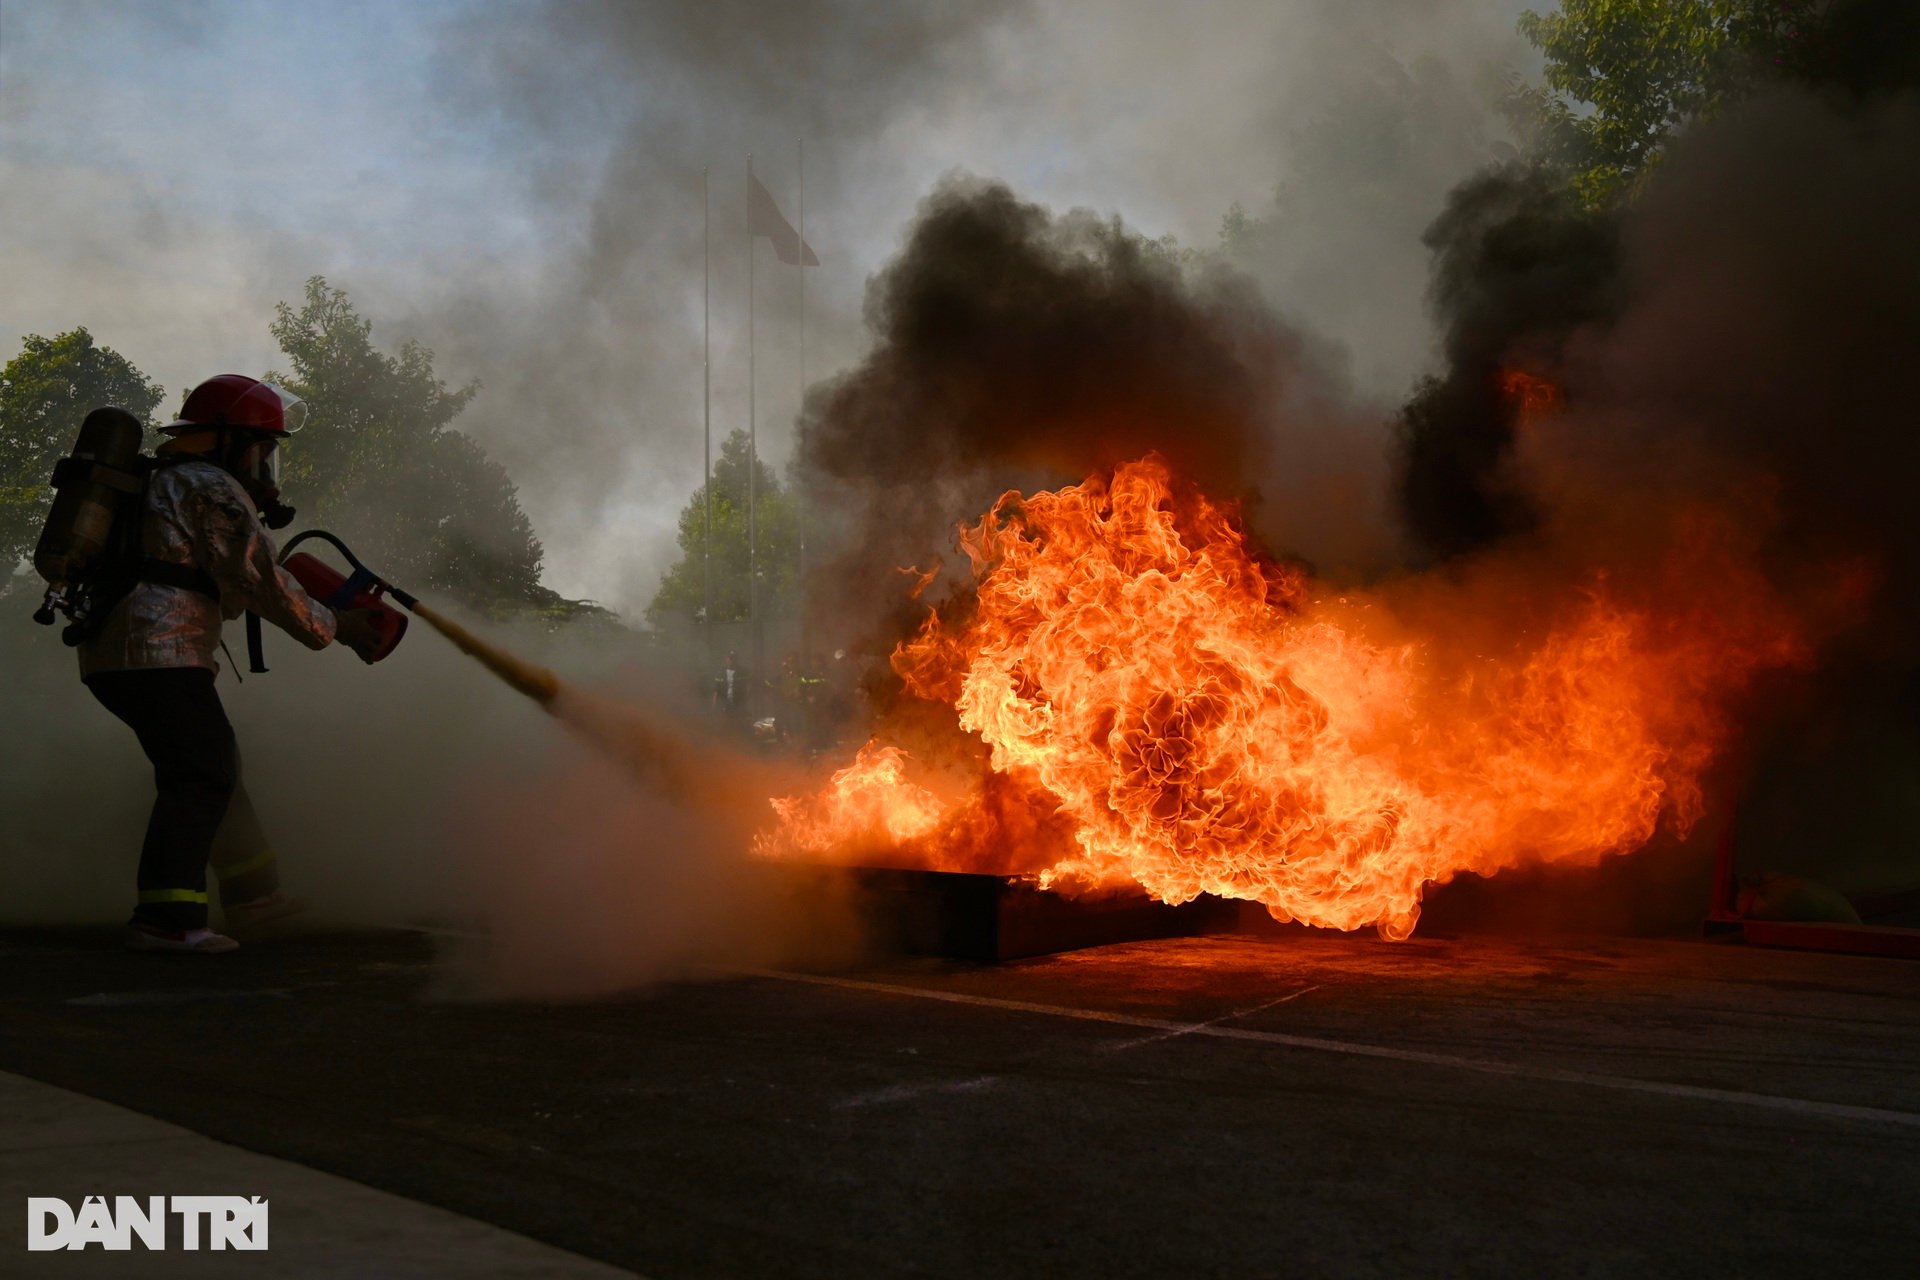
[{"x": 235, "y": 400}]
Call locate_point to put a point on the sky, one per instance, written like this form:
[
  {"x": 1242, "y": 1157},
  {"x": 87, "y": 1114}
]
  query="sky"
[{"x": 518, "y": 186}]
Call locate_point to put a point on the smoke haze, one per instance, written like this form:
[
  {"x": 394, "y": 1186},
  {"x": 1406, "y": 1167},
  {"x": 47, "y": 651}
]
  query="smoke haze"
[
  {"x": 984, "y": 184},
  {"x": 518, "y": 187},
  {"x": 429, "y": 795}
]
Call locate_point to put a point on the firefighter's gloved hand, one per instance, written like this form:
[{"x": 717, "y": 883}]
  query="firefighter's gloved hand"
[{"x": 354, "y": 628}]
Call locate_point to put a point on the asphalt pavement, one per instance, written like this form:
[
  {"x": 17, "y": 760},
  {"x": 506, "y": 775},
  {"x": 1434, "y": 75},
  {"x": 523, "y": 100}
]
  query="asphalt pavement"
[{"x": 1308, "y": 1104}]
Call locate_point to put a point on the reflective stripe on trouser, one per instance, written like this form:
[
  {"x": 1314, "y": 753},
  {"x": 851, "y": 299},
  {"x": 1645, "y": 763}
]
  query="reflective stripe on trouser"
[
  {"x": 183, "y": 730},
  {"x": 245, "y": 864},
  {"x": 153, "y": 896}
]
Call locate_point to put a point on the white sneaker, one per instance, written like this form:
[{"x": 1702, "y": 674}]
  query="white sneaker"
[{"x": 145, "y": 937}]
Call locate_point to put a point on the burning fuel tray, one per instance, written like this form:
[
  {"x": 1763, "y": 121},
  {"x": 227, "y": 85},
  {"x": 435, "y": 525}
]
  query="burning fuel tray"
[{"x": 982, "y": 917}]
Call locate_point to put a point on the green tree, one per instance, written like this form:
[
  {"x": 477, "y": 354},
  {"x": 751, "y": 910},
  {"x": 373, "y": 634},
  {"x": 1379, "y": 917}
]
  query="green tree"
[
  {"x": 45, "y": 393},
  {"x": 381, "y": 464},
  {"x": 776, "y": 520},
  {"x": 1622, "y": 75}
]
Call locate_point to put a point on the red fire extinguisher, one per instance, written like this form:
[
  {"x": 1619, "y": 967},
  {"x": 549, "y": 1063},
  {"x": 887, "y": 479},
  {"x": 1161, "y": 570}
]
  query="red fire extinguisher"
[{"x": 360, "y": 589}]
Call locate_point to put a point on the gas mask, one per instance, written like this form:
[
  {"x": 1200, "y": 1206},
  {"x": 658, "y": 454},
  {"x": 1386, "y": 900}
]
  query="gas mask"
[{"x": 255, "y": 464}]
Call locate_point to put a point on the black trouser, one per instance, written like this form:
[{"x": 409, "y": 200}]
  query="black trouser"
[{"x": 176, "y": 714}]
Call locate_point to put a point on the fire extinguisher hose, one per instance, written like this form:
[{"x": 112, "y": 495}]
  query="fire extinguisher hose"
[
  {"x": 530, "y": 679},
  {"x": 346, "y": 553}
]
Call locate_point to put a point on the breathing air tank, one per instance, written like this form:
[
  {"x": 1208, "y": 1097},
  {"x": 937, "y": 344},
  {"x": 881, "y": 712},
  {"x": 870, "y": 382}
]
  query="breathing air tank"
[{"x": 91, "y": 485}]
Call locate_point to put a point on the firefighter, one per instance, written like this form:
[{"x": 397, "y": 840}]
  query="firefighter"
[
  {"x": 814, "y": 697},
  {"x": 207, "y": 557},
  {"x": 731, "y": 696}
]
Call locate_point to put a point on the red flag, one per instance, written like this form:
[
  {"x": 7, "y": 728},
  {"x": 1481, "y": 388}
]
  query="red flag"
[{"x": 765, "y": 219}]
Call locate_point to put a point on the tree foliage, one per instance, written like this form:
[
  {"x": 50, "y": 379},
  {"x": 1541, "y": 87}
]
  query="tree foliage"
[
  {"x": 45, "y": 393},
  {"x": 380, "y": 463},
  {"x": 776, "y": 519},
  {"x": 1622, "y": 75}
]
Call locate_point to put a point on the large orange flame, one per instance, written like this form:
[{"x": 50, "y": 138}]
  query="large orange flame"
[
  {"x": 1206, "y": 720},
  {"x": 870, "y": 802}
]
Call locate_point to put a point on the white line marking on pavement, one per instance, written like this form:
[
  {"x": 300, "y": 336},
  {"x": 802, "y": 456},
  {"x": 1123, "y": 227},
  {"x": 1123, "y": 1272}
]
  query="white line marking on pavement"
[
  {"x": 1352, "y": 1048},
  {"x": 184, "y": 995},
  {"x": 1121, "y": 1046},
  {"x": 908, "y": 1092}
]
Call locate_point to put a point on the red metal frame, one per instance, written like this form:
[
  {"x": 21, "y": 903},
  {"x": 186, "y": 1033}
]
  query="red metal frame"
[{"x": 1857, "y": 939}]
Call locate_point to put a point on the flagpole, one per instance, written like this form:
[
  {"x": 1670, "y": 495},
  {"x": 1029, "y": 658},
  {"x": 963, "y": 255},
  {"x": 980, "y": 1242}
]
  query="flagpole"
[
  {"x": 753, "y": 460},
  {"x": 800, "y": 496},
  {"x": 706, "y": 412}
]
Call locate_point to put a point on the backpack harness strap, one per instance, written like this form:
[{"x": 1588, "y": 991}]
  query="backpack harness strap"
[
  {"x": 256, "y": 653},
  {"x": 72, "y": 470}
]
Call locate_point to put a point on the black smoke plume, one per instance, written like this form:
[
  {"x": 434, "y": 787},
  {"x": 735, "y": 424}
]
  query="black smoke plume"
[
  {"x": 1753, "y": 301},
  {"x": 1518, "y": 266},
  {"x": 1014, "y": 346},
  {"x": 1740, "y": 333}
]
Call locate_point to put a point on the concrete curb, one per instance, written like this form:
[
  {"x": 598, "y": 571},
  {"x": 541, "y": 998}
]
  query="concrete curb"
[{"x": 57, "y": 1143}]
